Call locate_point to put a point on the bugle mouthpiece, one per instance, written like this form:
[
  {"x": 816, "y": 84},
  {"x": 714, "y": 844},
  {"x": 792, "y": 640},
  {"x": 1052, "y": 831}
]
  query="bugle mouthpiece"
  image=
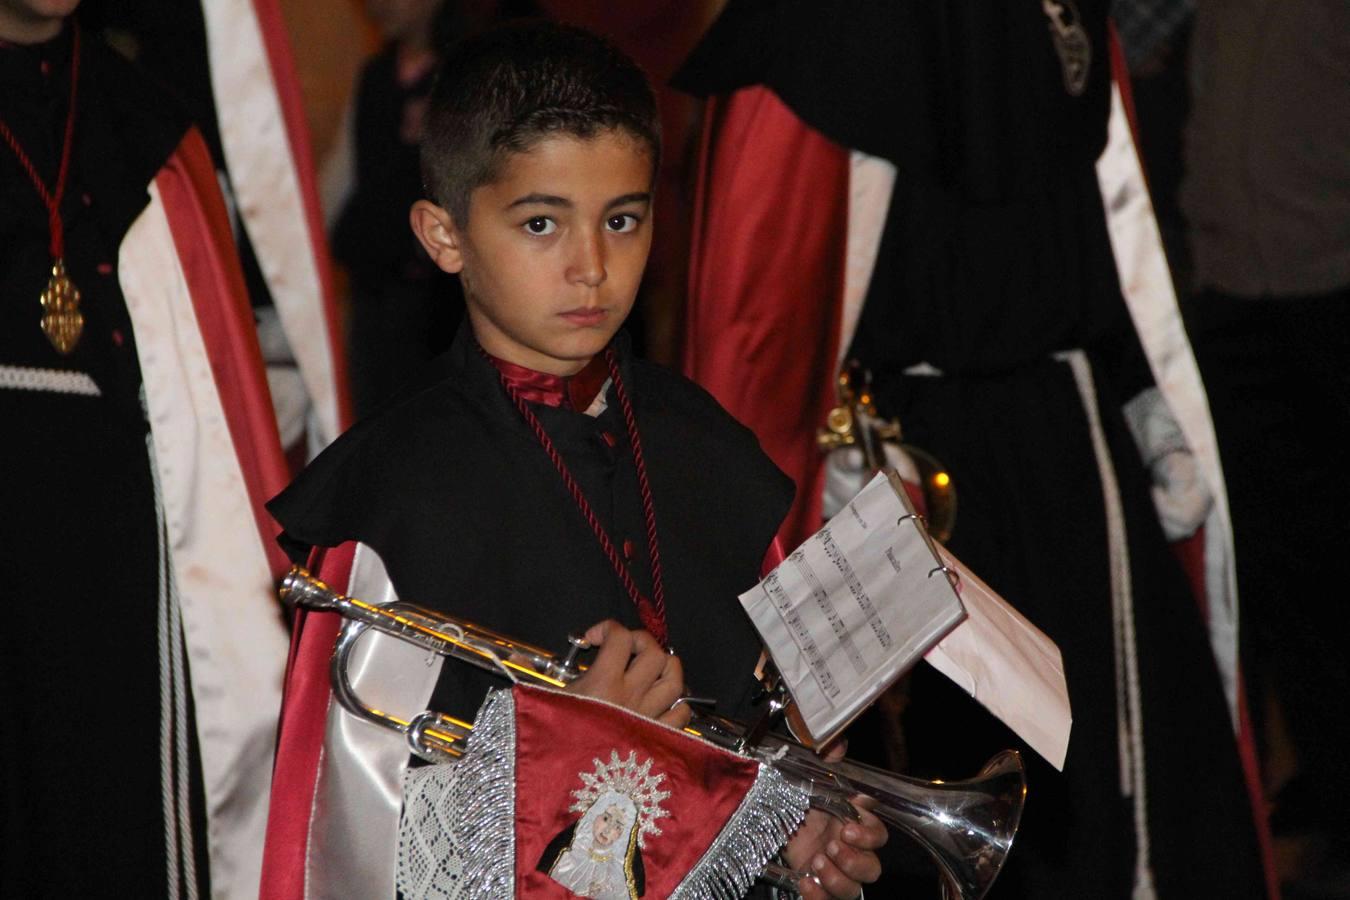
[{"x": 299, "y": 588}]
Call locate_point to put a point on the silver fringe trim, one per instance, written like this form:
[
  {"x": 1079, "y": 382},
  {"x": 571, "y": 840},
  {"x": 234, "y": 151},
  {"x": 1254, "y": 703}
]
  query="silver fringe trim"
[
  {"x": 768, "y": 815},
  {"x": 456, "y": 836}
]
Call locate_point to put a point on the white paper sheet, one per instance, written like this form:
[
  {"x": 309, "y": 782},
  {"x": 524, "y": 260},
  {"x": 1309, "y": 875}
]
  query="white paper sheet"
[
  {"x": 1008, "y": 665},
  {"x": 854, "y": 607}
]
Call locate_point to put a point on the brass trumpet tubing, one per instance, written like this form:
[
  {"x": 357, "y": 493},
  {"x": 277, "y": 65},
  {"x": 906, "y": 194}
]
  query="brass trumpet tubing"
[
  {"x": 853, "y": 422},
  {"x": 433, "y": 736},
  {"x": 829, "y": 784},
  {"x": 431, "y": 631}
]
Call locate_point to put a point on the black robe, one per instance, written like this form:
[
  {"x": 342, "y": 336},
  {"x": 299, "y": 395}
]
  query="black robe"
[
  {"x": 994, "y": 257},
  {"x": 453, "y": 491},
  {"x": 80, "y": 748}
]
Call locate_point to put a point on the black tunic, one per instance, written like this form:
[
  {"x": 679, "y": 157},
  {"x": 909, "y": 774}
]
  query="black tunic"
[
  {"x": 79, "y": 750},
  {"x": 453, "y": 491},
  {"x": 994, "y": 257}
]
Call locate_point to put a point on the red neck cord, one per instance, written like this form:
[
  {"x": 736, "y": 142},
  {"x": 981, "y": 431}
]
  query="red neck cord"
[
  {"x": 652, "y": 611},
  {"x": 52, "y": 198}
]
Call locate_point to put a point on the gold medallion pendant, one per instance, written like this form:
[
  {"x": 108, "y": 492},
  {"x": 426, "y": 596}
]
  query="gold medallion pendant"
[{"x": 62, "y": 320}]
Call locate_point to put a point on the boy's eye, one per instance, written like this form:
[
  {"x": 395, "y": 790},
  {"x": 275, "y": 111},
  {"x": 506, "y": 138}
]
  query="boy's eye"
[
  {"x": 621, "y": 223},
  {"x": 541, "y": 225}
]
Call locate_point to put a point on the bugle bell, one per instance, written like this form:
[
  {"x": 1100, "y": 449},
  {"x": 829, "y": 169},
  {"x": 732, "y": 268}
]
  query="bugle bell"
[{"x": 967, "y": 827}]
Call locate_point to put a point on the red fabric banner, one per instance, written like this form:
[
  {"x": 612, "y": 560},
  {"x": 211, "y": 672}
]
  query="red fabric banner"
[
  {"x": 766, "y": 281},
  {"x": 603, "y": 794}
]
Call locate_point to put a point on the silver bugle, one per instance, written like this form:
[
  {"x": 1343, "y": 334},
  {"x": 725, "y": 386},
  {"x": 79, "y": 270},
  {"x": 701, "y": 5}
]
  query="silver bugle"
[{"x": 967, "y": 827}]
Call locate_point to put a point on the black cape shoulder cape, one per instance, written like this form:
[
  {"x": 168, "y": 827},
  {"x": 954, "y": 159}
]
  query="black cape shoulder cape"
[{"x": 454, "y": 493}]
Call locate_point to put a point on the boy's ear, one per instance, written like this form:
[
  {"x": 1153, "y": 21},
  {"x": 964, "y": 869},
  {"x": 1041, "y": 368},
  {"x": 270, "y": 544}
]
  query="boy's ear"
[{"x": 435, "y": 228}]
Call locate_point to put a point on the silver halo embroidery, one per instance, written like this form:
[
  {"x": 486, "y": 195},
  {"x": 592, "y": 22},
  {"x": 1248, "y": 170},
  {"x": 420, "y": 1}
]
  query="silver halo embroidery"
[{"x": 625, "y": 776}]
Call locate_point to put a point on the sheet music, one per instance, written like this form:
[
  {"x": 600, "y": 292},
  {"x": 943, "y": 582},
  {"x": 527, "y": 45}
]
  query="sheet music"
[{"x": 854, "y": 607}]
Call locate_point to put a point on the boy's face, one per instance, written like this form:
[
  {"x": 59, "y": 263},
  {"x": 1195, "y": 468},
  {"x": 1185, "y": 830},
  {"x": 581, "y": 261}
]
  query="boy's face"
[{"x": 554, "y": 249}]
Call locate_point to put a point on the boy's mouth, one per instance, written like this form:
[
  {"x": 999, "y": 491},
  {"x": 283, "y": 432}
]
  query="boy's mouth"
[{"x": 585, "y": 315}]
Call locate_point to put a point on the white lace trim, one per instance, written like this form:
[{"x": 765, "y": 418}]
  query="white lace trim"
[
  {"x": 56, "y": 381},
  {"x": 457, "y": 836}
]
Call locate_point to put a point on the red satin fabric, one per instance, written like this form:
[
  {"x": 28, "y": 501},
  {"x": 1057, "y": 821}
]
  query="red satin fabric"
[
  {"x": 574, "y": 391},
  {"x": 559, "y": 736},
  {"x": 772, "y": 557},
  {"x": 201, "y": 232},
  {"x": 766, "y": 281},
  {"x": 304, "y": 717}
]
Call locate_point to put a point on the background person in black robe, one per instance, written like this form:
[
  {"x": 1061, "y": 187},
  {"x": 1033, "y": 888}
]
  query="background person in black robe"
[
  {"x": 994, "y": 260},
  {"x": 77, "y": 498},
  {"x": 403, "y": 310},
  {"x": 1267, "y": 202},
  {"x": 100, "y": 767}
]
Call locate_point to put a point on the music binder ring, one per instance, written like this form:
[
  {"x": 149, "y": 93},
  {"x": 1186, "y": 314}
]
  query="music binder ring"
[{"x": 952, "y": 575}]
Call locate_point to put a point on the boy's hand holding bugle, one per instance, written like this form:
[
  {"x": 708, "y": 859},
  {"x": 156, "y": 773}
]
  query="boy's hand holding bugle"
[{"x": 633, "y": 671}]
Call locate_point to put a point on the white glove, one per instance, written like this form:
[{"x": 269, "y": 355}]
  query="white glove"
[
  {"x": 1180, "y": 494},
  {"x": 846, "y": 474}
]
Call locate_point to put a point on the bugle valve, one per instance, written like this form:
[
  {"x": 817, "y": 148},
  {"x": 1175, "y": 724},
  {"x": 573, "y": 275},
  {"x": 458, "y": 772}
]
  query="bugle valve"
[
  {"x": 967, "y": 827},
  {"x": 854, "y": 423}
]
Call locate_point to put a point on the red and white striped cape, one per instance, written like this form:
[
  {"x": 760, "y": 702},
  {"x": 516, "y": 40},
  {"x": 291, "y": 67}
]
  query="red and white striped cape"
[
  {"x": 218, "y": 459},
  {"x": 266, "y": 141}
]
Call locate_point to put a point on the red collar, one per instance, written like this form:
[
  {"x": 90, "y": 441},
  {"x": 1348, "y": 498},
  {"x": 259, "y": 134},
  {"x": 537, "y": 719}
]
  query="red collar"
[{"x": 575, "y": 392}]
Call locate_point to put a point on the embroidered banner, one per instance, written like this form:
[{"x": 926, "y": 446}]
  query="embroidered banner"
[{"x": 588, "y": 800}]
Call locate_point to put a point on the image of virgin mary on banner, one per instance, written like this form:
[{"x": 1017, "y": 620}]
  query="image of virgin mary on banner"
[
  {"x": 600, "y": 855},
  {"x": 661, "y": 813}
]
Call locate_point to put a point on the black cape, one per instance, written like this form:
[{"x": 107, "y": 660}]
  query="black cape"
[
  {"x": 453, "y": 491},
  {"x": 994, "y": 257}
]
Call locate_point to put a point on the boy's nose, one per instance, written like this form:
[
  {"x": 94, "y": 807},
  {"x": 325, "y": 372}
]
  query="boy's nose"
[{"x": 588, "y": 261}]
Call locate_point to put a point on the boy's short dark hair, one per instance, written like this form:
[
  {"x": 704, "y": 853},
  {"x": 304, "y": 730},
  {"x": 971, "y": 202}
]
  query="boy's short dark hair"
[{"x": 503, "y": 90}]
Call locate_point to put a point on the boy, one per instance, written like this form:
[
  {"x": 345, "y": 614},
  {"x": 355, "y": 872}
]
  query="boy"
[{"x": 542, "y": 480}]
